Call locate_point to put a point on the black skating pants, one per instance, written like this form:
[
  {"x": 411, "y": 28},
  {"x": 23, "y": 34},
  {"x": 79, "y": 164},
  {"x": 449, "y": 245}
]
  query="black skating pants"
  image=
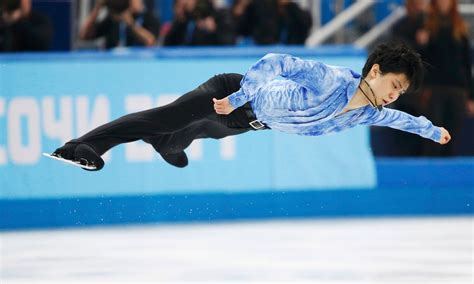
[{"x": 172, "y": 128}]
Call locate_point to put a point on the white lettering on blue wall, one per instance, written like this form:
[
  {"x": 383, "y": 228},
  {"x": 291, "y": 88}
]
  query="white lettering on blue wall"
[
  {"x": 29, "y": 152},
  {"x": 59, "y": 128},
  {"x": 227, "y": 148}
]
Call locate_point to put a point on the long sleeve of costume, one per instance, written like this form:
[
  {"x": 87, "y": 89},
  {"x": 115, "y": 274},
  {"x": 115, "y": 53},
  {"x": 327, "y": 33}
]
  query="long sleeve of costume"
[
  {"x": 405, "y": 122},
  {"x": 307, "y": 73}
]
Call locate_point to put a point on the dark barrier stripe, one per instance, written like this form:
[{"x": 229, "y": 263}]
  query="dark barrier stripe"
[{"x": 426, "y": 172}]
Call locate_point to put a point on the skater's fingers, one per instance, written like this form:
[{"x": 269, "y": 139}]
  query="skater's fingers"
[
  {"x": 221, "y": 110},
  {"x": 445, "y": 136},
  {"x": 220, "y": 107},
  {"x": 217, "y": 109}
]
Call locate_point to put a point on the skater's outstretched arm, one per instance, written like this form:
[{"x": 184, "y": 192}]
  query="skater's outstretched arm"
[{"x": 406, "y": 122}]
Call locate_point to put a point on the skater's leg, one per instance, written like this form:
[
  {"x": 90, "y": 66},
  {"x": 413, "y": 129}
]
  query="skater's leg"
[
  {"x": 191, "y": 107},
  {"x": 171, "y": 146}
]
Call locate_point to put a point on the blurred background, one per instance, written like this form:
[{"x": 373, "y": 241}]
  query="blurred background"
[{"x": 370, "y": 204}]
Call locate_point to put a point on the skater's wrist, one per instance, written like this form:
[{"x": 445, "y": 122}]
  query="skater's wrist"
[{"x": 237, "y": 99}]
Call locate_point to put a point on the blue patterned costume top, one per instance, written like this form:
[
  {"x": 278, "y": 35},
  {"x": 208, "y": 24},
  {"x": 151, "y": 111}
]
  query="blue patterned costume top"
[{"x": 306, "y": 97}]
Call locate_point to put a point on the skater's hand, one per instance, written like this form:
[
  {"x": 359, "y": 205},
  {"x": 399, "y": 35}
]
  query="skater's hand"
[
  {"x": 222, "y": 106},
  {"x": 445, "y": 137}
]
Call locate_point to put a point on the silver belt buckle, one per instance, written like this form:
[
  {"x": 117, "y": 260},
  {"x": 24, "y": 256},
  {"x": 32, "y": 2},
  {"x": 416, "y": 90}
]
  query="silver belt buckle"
[{"x": 256, "y": 124}]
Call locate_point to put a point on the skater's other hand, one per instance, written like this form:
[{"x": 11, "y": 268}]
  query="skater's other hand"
[
  {"x": 222, "y": 106},
  {"x": 445, "y": 137}
]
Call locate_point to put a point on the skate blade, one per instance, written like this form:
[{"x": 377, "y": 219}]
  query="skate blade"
[{"x": 77, "y": 164}]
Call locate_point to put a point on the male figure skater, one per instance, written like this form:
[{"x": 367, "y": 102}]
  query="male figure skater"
[{"x": 309, "y": 98}]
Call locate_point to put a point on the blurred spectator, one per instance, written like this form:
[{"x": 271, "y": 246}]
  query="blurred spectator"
[
  {"x": 198, "y": 22},
  {"x": 407, "y": 27},
  {"x": 127, "y": 23},
  {"x": 446, "y": 48},
  {"x": 272, "y": 21},
  {"x": 22, "y": 29},
  {"x": 406, "y": 30}
]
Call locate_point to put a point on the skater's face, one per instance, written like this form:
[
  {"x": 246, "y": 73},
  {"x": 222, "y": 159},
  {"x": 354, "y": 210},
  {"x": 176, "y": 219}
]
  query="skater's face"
[{"x": 387, "y": 87}]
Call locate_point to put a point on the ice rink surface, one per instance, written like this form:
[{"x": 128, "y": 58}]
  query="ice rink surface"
[{"x": 381, "y": 250}]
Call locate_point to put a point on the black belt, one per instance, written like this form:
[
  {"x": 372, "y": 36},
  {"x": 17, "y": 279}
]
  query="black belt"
[{"x": 253, "y": 121}]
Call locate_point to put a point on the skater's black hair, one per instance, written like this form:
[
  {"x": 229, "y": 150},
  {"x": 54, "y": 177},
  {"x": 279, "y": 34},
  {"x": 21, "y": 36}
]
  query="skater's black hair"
[{"x": 399, "y": 59}]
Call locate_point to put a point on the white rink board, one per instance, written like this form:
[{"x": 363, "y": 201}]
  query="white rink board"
[{"x": 382, "y": 250}]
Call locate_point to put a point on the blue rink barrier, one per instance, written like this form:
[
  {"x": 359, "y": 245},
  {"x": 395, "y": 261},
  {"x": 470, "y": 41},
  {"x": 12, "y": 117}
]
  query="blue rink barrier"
[
  {"x": 407, "y": 187},
  {"x": 47, "y": 99}
]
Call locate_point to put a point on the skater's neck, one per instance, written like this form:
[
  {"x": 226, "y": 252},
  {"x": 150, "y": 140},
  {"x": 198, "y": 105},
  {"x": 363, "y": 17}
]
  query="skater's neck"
[{"x": 361, "y": 98}]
